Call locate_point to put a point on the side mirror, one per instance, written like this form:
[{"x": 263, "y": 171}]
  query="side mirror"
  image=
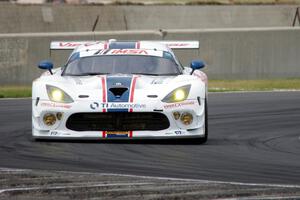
[
  {"x": 197, "y": 64},
  {"x": 46, "y": 64}
]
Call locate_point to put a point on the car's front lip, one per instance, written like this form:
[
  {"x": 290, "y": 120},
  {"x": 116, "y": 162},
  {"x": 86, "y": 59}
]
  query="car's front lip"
[
  {"x": 164, "y": 134},
  {"x": 176, "y": 129}
]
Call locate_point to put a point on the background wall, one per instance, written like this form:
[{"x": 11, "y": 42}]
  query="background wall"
[
  {"x": 230, "y": 53},
  {"x": 75, "y": 18}
]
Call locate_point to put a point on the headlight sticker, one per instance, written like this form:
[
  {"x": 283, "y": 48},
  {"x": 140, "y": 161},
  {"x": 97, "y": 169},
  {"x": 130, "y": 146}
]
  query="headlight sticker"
[
  {"x": 178, "y": 105},
  {"x": 55, "y": 105}
]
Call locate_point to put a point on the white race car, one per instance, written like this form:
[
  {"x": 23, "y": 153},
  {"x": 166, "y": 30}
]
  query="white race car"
[{"x": 120, "y": 89}]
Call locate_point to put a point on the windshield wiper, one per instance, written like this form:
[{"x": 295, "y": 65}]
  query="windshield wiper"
[
  {"x": 149, "y": 74},
  {"x": 171, "y": 74},
  {"x": 86, "y": 74}
]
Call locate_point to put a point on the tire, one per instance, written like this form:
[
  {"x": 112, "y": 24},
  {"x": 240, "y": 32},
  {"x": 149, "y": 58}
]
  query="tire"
[{"x": 204, "y": 139}]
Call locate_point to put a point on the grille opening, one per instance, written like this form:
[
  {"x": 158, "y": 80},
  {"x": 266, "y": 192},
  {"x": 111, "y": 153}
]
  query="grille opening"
[
  {"x": 118, "y": 121},
  {"x": 118, "y": 91}
]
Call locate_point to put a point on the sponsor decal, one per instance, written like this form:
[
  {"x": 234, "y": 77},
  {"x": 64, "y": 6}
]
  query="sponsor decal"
[
  {"x": 55, "y": 105},
  {"x": 181, "y": 44},
  {"x": 178, "y": 105},
  {"x": 122, "y": 105},
  {"x": 54, "y": 133},
  {"x": 157, "y": 81},
  {"x": 134, "y": 52},
  {"x": 94, "y": 105},
  {"x": 116, "y": 134},
  {"x": 117, "y": 84},
  {"x": 129, "y": 51},
  {"x": 76, "y": 44},
  {"x": 178, "y": 132},
  {"x": 178, "y": 45}
]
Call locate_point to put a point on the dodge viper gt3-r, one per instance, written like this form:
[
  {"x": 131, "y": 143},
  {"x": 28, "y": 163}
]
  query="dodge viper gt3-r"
[{"x": 120, "y": 89}]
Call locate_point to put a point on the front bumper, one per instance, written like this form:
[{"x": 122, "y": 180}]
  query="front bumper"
[{"x": 176, "y": 129}]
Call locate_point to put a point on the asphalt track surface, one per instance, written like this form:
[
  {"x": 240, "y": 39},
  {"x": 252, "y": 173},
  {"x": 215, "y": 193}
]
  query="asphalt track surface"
[{"x": 253, "y": 138}]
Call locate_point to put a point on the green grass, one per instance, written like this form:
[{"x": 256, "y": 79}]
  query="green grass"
[
  {"x": 213, "y": 85},
  {"x": 253, "y": 85},
  {"x": 206, "y": 2},
  {"x": 15, "y": 91}
]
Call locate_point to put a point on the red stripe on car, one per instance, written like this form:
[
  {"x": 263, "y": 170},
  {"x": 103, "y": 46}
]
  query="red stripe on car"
[
  {"x": 137, "y": 45},
  {"x": 132, "y": 91},
  {"x": 105, "y": 45},
  {"x": 132, "y": 88},
  {"x": 104, "y": 99}
]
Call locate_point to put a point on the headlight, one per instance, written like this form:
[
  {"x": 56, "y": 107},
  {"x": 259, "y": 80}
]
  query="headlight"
[
  {"x": 58, "y": 95},
  {"x": 179, "y": 94},
  {"x": 49, "y": 119},
  {"x": 186, "y": 118}
]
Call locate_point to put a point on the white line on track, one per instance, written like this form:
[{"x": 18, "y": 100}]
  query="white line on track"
[
  {"x": 2, "y": 169},
  {"x": 262, "y": 197},
  {"x": 70, "y": 187},
  {"x": 181, "y": 179},
  {"x": 190, "y": 180},
  {"x": 204, "y": 181}
]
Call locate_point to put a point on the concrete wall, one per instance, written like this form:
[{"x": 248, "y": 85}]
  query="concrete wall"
[
  {"x": 229, "y": 53},
  {"x": 75, "y": 18},
  {"x": 247, "y": 53}
]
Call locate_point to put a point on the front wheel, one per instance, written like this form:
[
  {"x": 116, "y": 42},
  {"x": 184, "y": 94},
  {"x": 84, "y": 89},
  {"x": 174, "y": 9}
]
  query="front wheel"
[{"x": 204, "y": 139}]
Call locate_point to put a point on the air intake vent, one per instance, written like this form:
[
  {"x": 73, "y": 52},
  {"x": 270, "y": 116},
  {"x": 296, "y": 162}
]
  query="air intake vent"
[
  {"x": 118, "y": 91},
  {"x": 118, "y": 121}
]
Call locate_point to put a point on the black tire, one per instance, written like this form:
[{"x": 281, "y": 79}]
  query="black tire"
[
  {"x": 33, "y": 139},
  {"x": 204, "y": 139}
]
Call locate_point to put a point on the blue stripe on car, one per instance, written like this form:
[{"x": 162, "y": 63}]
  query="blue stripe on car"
[
  {"x": 116, "y": 135},
  {"x": 122, "y": 45},
  {"x": 118, "y": 81}
]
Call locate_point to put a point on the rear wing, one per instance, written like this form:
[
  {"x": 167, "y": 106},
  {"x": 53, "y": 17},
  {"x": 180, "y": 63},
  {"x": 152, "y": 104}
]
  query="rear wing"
[{"x": 69, "y": 45}]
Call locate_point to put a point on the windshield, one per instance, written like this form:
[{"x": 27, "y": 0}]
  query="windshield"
[{"x": 124, "y": 64}]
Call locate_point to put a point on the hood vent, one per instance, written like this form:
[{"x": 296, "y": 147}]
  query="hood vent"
[
  {"x": 118, "y": 91},
  {"x": 83, "y": 96}
]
